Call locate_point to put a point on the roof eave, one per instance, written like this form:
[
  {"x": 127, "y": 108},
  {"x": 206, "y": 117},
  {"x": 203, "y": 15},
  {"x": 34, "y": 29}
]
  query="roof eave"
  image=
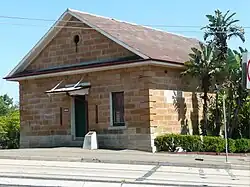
[{"x": 102, "y": 67}]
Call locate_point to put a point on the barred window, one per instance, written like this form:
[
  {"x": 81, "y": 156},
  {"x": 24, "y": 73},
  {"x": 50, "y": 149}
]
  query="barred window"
[{"x": 118, "y": 108}]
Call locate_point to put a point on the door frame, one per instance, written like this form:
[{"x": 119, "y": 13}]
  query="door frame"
[{"x": 73, "y": 125}]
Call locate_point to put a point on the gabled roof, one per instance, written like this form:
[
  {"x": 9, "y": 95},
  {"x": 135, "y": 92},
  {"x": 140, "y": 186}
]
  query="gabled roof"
[
  {"x": 148, "y": 43},
  {"x": 153, "y": 43}
]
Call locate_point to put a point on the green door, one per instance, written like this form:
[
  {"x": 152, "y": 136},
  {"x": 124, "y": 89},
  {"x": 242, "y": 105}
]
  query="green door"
[{"x": 80, "y": 116}]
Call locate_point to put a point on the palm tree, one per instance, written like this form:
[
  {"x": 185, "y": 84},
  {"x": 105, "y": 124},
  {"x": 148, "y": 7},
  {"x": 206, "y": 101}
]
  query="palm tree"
[
  {"x": 203, "y": 67},
  {"x": 237, "y": 94},
  {"x": 221, "y": 28}
]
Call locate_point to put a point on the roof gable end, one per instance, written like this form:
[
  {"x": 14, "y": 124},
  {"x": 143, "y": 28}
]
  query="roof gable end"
[
  {"x": 145, "y": 42},
  {"x": 52, "y": 32}
]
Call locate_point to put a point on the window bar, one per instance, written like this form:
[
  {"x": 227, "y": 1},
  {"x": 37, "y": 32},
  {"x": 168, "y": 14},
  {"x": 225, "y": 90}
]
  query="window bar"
[
  {"x": 61, "y": 116},
  {"x": 96, "y": 113}
]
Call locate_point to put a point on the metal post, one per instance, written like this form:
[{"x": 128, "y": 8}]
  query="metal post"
[{"x": 225, "y": 125}]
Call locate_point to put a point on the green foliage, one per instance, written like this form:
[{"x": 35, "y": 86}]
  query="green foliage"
[
  {"x": 243, "y": 127},
  {"x": 9, "y": 123},
  {"x": 220, "y": 29},
  {"x": 213, "y": 144},
  {"x": 237, "y": 102},
  {"x": 213, "y": 127},
  {"x": 6, "y": 105},
  {"x": 167, "y": 142},
  {"x": 220, "y": 70},
  {"x": 202, "y": 65},
  {"x": 193, "y": 143},
  {"x": 9, "y": 130},
  {"x": 231, "y": 145},
  {"x": 242, "y": 145},
  {"x": 170, "y": 142},
  {"x": 190, "y": 143}
]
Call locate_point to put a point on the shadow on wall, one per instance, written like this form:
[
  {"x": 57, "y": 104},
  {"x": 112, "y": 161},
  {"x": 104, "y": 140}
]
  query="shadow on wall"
[
  {"x": 195, "y": 114},
  {"x": 181, "y": 107}
]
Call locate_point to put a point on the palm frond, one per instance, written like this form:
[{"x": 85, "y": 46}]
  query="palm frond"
[
  {"x": 231, "y": 22},
  {"x": 206, "y": 35},
  {"x": 210, "y": 18},
  {"x": 225, "y": 15},
  {"x": 192, "y": 56},
  {"x": 205, "y": 27},
  {"x": 229, "y": 17},
  {"x": 237, "y": 34},
  {"x": 242, "y": 50}
]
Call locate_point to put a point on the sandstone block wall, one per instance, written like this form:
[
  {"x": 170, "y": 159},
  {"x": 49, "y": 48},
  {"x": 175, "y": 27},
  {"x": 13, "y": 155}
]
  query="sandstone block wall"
[
  {"x": 175, "y": 106},
  {"x": 40, "y": 114}
]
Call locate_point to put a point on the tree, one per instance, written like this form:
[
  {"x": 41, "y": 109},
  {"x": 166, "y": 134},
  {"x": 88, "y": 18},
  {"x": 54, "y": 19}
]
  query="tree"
[
  {"x": 220, "y": 29},
  {"x": 5, "y": 104},
  {"x": 9, "y": 123},
  {"x": 236, "y": 92},
  {"x": 10, "y": 130},
  {"x": 203, "y": 67},
  {"x": 237, "y": 100}
]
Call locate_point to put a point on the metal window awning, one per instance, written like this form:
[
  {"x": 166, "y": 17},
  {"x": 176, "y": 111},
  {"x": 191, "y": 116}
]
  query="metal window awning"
[{"x": 76, "y": 89}]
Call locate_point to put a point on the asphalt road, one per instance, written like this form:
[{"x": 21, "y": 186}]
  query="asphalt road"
[{"x": 61, "y": 173}]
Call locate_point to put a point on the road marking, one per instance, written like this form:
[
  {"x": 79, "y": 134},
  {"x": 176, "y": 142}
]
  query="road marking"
[
  {"x": 230, "y": 173},
  {"x": 149, "y": 173},
  {"x": 202, "y": 173}
]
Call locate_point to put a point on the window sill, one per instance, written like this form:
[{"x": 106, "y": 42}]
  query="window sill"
[{"x": 117, "y": 127}]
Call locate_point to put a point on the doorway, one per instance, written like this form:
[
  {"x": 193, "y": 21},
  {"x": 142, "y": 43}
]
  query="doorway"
[{"x": 81, "y": 116}]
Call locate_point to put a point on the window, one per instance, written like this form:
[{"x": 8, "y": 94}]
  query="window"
[
  {"x": 117, "y": 105},
  {"x": 76, "y": 40}
]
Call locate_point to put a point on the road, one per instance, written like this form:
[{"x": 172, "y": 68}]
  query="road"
[{"x": 59, "y": 173}]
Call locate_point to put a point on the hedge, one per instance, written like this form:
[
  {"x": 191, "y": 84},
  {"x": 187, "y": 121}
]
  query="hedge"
[
  {"x": 10, "y": 130},
  {"x": 213, "y": 144},
  {"x": 193, "y": 143},
  {"x": 242, "y": 145}
]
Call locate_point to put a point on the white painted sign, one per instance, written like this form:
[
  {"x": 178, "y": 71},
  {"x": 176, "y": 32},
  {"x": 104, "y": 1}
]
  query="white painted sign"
[{"x": 246, "y": 63}]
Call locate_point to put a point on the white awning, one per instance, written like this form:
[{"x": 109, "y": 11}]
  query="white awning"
[{"x": 76, "y": 89}]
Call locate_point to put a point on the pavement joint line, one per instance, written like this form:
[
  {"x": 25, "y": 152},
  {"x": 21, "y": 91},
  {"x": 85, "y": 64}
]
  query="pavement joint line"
[
  {"x": 19, "y": 173},
  {"x": 136, "y": 162},
  {"x": 107, "y": 181}
]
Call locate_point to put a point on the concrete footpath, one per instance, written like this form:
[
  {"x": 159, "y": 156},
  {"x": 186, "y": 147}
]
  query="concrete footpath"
[
  {"x": 84, "y": 174},
  {"x": 127, "y": 157}
]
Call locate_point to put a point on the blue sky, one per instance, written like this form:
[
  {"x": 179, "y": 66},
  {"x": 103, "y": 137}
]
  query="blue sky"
[{"x": 16, "y": 41}]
